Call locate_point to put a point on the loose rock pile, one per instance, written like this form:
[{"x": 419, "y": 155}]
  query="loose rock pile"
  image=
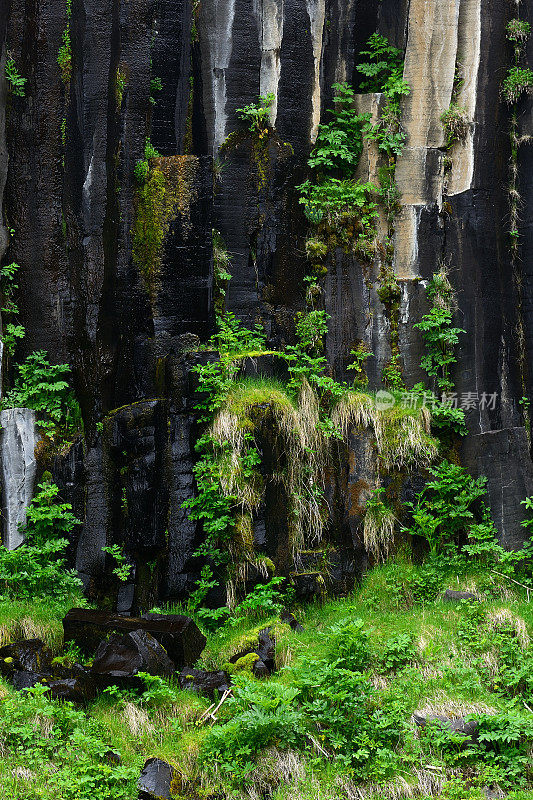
[{"x": 159, "y": 644}]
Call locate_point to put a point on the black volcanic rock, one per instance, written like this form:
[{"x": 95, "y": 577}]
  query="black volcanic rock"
[
  {"x": 30, "y": 655},
  {"x": 203, "y": 681},
  {"x": 179, "y": 635},
  {"x": 121, "y": 657},
  {"x": 455, "y": 597},
  {"x": 156, "y": 780}
]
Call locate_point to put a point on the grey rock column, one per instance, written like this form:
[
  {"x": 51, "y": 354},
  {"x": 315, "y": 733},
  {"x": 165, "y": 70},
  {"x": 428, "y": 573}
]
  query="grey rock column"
[{"x": 17, "y": 455}]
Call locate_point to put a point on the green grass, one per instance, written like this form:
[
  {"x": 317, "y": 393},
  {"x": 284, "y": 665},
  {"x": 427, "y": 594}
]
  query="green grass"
[
  {"x": 25, "y": 619},
  {"x": 449, "y": 674}
]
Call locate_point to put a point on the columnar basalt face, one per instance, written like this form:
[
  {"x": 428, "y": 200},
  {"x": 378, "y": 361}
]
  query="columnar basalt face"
[{"x": 116, "y": 270}]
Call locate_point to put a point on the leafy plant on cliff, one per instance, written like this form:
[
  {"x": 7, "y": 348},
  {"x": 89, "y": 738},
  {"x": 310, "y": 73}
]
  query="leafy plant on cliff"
[
  {"x": 37, "y": 568},
  {"x": 44, "y": 387},
  {"x": 221, "y": 274},
  {"x": 439, "y": 335},
  {"x": 122, "y": 570},
  {"x": 518, "y": 30},
  {"x": 64, "y": 57},
  {"x": 333, "y": 199},
  {"x": 519, "y": 80},
  {"x": 360, "y": 354},
  {"x": 384, "y": 73},
  {"x": 455, "y": 124},
  {"x": 142, "y": 167},
  {"x": 450, "y": 505},
  {"x": 12, "y": 331},
  {"x": 219, "y": 469},
  {"x": 385, "y": 64},
  {"x": 15, "y": 80},
  {"x": 339, "y": 141},
  {"x": 256, "y": 115}
]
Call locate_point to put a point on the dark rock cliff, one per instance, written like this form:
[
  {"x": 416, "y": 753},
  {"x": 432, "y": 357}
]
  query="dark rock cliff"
[{"x": 67, "y": 161}]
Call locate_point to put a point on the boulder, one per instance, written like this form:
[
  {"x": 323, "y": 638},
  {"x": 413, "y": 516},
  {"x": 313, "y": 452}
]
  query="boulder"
[
  {"x": 290, "y": 619},
  {"x": 454, "y": 724},
  {"x": 119, "y": 658},
  {"x": 204, "y": 682},
  {"x": 265, "y": 650},
  {"x": 455, "y": 597},
  {"x": 27, "y": 655},
  {"x": 178, "y": 634},
  {"x": 78, "y": 688},
  {"x": 26, "y": 679},
  {"x": 260, "y": 669},
  {"x": 156, "y": 780}
]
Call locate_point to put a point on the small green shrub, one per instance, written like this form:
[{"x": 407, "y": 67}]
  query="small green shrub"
[
  {"x": 266, "y": 599},
  {"x": 64, "y": 752},
  {"x": 260, "y": 714},
  {"x": 339, "y": 141},
  {"x": 398, "y": 651},
  {"x": 519, "y": 80},
  {"x": 37, "y": 567},
  {"x": 256, "y": 115},
  {"x": 64, "y": 57},
  {"x": 12, "y": 331},
  {"x": 10, "y": 335},
  {"x": 122, "y": 569},
  {"x": 518, "y": 30},
  {"x": 383, "y": 73},
  {"x": 440, "y": 337},
  {"x": 142, "y": 167},
  {"x": 15, "y": 80},
  {"x": 349, "y": 644},
  {"x": 305, "y": 359},
  {"x": 360, "y": 355},
  {"x": 452, "y": 515},
  {"x": 43, "y": 387},
  {"x": 156, "y": 85},
  {"x": 332, "y": 198},
  {"x": 385, "y": 62},
  {"x": 455, "y": 124}
]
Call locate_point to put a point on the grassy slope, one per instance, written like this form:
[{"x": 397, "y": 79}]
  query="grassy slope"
[{"x": 449, "y": 676}]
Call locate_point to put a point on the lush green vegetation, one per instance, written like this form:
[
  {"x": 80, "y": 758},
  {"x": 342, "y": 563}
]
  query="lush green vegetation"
[
  {"x": 43, "y": 387},
  {"x": 17, "y": 84},
  {"x": 64, "y": 56},
  {"x": 335, "y": 718},
  {"x": 37, "y": 568}
]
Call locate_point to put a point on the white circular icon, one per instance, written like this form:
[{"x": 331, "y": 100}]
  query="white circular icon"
[{"x": 384, "y": 400}]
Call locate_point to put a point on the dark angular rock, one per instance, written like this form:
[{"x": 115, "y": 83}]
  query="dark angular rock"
[
  {"x": 156, "y": 780},
  {"x": 26, "y": 679},
  {"x": 454, "y": 724},
  {"x": 260, "y": 669},
  {"x": 78, "y": 689},
  {"x": 290, "y": 619},
  {"x": 455, "y": 597},
  {"x": 204, "y": 682},
  {"x": 27, "y": 655},
  {"x": 503, "y": 457},
  {"x": 179, "y": 635},
  {"x": 265, "y": 649},
  {"x": 121, "y": 657}
]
